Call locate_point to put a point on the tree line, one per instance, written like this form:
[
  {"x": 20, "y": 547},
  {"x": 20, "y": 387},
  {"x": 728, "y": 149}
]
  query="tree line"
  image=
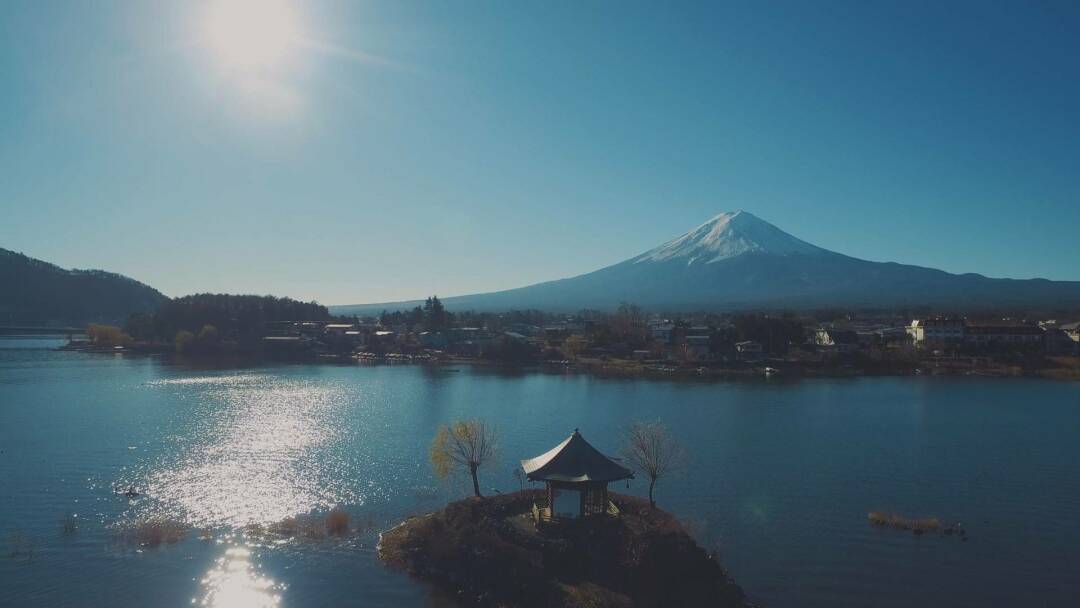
[{"x": 212, "y": 317}]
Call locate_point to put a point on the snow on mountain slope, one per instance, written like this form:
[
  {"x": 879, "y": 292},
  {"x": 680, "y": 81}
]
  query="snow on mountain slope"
[{"x": 725, "y": 236}]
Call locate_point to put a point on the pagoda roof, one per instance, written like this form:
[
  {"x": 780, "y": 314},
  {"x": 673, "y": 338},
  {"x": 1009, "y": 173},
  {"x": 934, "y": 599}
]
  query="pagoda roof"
[{"x": 574, "y": 460}]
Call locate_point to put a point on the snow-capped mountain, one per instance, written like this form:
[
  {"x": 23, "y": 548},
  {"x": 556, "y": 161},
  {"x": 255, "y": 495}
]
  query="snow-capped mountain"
[
  {"x": 725, "y": 236},
  {"x": 739, "y": 261}
]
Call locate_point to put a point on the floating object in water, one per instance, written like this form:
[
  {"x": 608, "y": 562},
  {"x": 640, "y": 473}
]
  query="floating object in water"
[
  {"x": 918, "y": 527},
  {"x": 900, "y": 522},
  {"x": 131, "y": 492}
]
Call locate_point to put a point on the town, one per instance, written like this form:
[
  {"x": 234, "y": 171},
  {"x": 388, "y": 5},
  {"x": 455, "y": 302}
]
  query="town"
[{"x": 627, "y": 341}]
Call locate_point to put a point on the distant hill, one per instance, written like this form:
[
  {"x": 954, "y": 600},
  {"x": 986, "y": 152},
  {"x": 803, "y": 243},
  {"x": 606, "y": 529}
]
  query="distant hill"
[
  {"x": 37, "y": 293},
  {"x": 739, "y": 261}
]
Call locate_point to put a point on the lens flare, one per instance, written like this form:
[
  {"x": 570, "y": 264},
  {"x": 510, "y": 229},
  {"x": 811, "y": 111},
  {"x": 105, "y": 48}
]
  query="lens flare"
[{"x": 252, "y": 34}]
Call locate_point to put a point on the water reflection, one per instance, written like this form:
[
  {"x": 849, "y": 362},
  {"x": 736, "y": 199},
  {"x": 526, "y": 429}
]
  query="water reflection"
[
  {"x": 234, "y": 582},
  {"x": 258, "y": 454}
]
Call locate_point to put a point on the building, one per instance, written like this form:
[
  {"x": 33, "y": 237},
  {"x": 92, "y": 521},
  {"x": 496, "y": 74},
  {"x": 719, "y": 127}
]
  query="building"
[
  {"x": 338, "y": 329},
  {"x": 556, "y": 333},
  {"x": 836, "y": 340},
  {"x": 892, "y": 335},
  {"x": 525, "y": 329},
  {"x": 432, "y": 339},
  {"x": 468, "y": 341},
  {"x": 1059, "y": 342},
  {"x": 1072, "y": 330},
  {"x": 343, "y": 336},
  {"x": 937, "y": 331},
  {"x": 698, "y": 347},
  {"x": 576, "y": 475},
  {"x": 1014, "y": 336},
  {"x": 662, "y": 332},
  {"x": 748, "y": 350}
]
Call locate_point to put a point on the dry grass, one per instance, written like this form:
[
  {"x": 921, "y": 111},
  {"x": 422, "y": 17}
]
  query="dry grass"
[
  {"x": 590, "y": 595},
  {"x": 1065, "y": 368},
  {"x": 158, "y": 531},
  {"x": 899, "y": 522},
  {"x": 337, "y": 522},
  {"x": 154, "y": 532},
  {"x": 305, "y": 528}
]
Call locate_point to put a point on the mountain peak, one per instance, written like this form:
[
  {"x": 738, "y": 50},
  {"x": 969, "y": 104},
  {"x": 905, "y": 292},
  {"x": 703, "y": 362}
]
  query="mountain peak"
[{"x": 728, "y": 235}]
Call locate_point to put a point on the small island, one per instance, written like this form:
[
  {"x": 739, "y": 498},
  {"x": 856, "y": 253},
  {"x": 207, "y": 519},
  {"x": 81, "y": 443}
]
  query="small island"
[
  {"x": 571, "y": 544},
  {"x": 489, "y": 552}
]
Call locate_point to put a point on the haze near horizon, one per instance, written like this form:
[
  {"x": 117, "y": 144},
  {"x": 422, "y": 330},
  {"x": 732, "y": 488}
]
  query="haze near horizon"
[{"x": 385, "y": 151}]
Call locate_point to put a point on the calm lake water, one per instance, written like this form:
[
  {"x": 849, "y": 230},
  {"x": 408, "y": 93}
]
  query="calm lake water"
[{"x": 782, "y": 476}]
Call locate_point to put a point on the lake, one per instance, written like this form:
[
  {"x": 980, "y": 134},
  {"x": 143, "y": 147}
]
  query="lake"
[{"x": 780, "y": 480}]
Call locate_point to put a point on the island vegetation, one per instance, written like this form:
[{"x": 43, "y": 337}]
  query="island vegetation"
[
  {"x": 463, "y": 444},
  {"x": 651, "y": 450}
]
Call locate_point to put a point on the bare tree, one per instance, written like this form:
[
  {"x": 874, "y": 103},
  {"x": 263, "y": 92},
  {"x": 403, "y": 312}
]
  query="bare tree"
[
  {"x": 651, "y": 450},
  {"x": 466, "y": 444}
]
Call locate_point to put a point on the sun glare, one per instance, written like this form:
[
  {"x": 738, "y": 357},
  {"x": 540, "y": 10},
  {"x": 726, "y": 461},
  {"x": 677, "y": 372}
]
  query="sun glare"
[{"x": 251, "y": 34}]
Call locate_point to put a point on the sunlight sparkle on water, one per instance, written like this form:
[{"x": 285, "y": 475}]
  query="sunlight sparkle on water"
[
  {"x": 260, "y": 457},
  {"x": 234, "y": 582}
]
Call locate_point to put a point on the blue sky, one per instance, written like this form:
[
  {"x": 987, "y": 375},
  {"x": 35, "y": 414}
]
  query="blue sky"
[{"x": 405, "y": 149}]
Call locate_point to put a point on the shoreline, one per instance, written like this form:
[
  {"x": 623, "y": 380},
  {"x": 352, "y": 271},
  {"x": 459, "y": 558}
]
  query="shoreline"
[{"x": 773, "y": 370}]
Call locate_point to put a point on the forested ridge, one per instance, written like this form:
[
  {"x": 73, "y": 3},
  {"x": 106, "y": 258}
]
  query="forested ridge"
[{"x": 34, "y": 292}]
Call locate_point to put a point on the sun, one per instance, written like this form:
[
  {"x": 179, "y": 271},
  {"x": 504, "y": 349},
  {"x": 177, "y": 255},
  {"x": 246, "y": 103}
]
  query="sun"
[{"x": 252, "y": 34}]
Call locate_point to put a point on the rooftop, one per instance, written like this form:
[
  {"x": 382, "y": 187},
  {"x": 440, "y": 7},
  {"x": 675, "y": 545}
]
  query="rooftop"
[{"x": 574, "y": 460}]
